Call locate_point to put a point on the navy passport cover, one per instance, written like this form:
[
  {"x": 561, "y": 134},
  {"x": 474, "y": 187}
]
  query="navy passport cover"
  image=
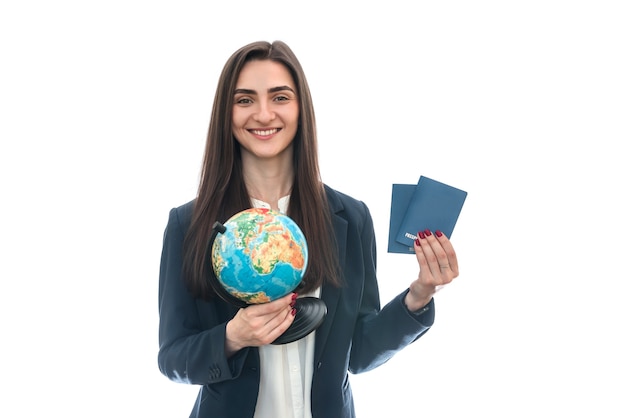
[{"x": 415, "y": 207}]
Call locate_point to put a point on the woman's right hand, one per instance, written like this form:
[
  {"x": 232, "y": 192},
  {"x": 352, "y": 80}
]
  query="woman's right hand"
[{"x": 261, "y": 324}]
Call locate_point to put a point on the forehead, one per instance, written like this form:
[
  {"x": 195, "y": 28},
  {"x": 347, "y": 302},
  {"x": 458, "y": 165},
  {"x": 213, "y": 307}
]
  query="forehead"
[{"x": 264, "y": 74}]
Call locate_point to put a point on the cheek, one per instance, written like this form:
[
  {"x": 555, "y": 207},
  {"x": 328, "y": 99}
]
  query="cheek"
[
  {"x": 236, "y": 120},
  {"x": 236, "y": 127},
  {"x": 240, "y": 116},
  {"x": 295, "y": 118}
]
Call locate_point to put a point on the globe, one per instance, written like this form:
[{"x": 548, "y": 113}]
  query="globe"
[{"x": 261, "y": 256}]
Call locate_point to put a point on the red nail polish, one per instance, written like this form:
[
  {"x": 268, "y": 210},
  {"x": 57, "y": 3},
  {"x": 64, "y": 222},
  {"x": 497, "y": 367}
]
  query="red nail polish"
[
  {"x": 417, "y": 242},
  {"x": 294, "y": 296},
  {"x": 422, "y": 235},
  {"x": 438, "y": 233},
  {"x": 293, "y": 312},
  {"x": 427, "y": 232}
]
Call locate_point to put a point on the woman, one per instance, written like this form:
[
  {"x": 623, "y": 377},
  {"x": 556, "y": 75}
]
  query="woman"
[{"x": 261, "y": 151}]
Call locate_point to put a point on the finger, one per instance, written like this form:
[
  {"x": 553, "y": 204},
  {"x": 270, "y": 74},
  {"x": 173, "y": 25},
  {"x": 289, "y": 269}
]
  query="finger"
[
  {"x": 257, "y": 316},
  {"x": 431, "y": 253},
  {"x": 446, "y": 262},
  {"x": 276, "y": 325},
  {"x": 438, "y": 250},
  {"x": 264, "y": 328},
  {"x": 449, "y": 250},
  {"x": 419, "y": 253},
  {"x": 274, "y": 307},
  {"x": 282, "y": 326}
]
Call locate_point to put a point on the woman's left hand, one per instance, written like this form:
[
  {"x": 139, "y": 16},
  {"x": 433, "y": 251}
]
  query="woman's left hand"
[{"x": 438, "y": 267}]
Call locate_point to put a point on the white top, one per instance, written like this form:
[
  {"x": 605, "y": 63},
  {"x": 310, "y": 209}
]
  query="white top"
[{"x": 286, "y": 369}]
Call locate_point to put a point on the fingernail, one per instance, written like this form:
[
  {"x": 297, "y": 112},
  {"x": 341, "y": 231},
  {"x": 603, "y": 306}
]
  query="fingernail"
[
  {"x": 422, "y": 235},
  {"x": 438, "y": 233},
  {"x": 293, "y": 312},
  {"x": 417, "y": 242},
  {"x": 294, "y": 296},
  {"x": 427, "y": 232}
]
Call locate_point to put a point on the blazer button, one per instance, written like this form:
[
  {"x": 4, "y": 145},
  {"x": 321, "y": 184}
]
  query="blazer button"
[{"x": 215, "y": 373}]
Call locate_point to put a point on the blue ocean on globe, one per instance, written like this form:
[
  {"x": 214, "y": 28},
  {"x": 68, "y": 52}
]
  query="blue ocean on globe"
[{"x": 262, "y": 255}]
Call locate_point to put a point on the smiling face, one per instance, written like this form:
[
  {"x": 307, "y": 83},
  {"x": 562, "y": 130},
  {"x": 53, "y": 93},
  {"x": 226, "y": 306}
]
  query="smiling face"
[{"x": 265, "y": 110}]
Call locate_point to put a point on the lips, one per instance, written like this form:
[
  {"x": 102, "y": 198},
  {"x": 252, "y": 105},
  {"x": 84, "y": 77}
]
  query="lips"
[{"x": 264, "y": 132}]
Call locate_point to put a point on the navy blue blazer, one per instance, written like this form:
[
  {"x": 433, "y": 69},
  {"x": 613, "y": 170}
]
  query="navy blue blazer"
[{"x": 356, "y": 335}]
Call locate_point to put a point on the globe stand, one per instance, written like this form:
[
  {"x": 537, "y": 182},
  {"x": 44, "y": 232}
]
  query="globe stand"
[{"x": 310, "y": 311}]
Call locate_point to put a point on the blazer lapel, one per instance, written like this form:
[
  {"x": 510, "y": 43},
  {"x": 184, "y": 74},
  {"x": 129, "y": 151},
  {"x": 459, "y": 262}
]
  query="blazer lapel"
[{"x": 330, "y": 294}]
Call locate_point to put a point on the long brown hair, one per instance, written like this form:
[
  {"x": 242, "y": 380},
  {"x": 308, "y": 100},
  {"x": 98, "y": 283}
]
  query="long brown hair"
[{"x": 222, "y": 191}]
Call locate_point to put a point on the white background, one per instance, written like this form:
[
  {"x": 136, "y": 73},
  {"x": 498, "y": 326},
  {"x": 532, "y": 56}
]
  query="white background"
[{"x": 104, "y": 108}]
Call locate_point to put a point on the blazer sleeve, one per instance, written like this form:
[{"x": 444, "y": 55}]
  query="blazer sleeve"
[
  {"x": 191, "y": 336},
  {"x": 380, "y": 333}
]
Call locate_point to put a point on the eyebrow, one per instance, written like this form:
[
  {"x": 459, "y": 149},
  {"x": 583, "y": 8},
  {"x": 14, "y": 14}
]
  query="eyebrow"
[{"x": 272, "y": 90}]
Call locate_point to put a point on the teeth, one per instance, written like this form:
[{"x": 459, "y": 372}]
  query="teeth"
[{"x": 265, "y": 133}]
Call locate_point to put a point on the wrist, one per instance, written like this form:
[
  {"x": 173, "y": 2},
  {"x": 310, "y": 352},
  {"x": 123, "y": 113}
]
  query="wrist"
[
  {"x": 230, "y": 345},
  {"x": 414, "y": 303}
]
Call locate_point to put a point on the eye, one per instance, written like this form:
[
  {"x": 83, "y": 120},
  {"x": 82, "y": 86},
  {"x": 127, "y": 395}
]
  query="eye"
[
  {"x": 243, "y": 100},
  {"x": 282, "y": 98}
]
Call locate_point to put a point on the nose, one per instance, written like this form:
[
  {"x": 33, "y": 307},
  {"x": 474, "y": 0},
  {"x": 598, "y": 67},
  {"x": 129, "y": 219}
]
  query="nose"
[{"x": 264, "y": 113}]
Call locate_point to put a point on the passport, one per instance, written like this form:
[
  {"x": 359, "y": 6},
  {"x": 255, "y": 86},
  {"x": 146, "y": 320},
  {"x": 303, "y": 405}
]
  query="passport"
[{"x": 429, "y": 204}]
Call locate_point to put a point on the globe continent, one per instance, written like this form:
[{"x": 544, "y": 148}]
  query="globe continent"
[{"x": 262, "y": 255}]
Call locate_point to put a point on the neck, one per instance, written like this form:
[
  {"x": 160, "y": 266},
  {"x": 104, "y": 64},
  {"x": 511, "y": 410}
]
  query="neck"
[{"x": 268, "y": 186}]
